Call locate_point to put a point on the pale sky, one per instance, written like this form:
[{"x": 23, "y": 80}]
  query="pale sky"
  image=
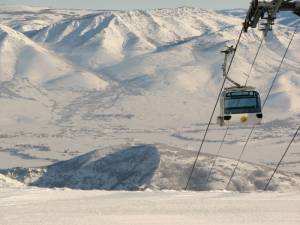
[{"x": 132, "y": 4}]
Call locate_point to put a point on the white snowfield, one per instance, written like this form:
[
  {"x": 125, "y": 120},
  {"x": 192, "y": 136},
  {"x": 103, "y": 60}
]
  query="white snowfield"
[
  {"x": 64, "y": 207},
  {"x": 6, "y": 182}
]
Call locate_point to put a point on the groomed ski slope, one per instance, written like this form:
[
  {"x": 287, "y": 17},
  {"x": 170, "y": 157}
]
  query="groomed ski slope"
[{"x": 65, "y": 207}]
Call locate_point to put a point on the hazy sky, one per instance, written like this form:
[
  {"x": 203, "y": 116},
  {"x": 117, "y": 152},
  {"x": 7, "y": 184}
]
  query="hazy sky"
[{"x": 132, "y": 4}]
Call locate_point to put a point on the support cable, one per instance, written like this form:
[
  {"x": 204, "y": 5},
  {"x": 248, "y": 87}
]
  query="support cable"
[
  {"x": 213, "y": 112},
  {"x": 252, "y": 66},
  {"x": 217, "y": 155},
  {"x": 268, "y": 94},
  {"x": 224, "y": 137},
  {"x": 284, "y": 154}
]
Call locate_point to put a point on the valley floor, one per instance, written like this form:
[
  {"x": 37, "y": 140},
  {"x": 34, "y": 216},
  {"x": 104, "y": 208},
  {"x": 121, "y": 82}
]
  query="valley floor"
[{"x": 36, "y": 206}]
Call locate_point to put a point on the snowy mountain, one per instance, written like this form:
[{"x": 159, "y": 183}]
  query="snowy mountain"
[
  {"x": 106, "y": 38},
  {"x": 79, "y": 80},
  {"x": 22, "y": 58},
  {"x": 25, "y": 18},
  {"x": 133, "y": 47},
  {"x": 150, "y": 167}
]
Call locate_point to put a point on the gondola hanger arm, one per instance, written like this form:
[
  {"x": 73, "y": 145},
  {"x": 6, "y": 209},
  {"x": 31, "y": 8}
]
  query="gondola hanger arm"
[{"x": 228, "y": 51}]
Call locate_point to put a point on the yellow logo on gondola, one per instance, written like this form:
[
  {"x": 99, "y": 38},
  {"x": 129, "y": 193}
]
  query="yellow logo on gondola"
[{"x": 244, "y": 119}]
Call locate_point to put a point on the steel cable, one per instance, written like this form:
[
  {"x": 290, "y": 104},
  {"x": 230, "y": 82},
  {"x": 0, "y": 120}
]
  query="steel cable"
[
  {"x": 256, "y": 55},
  {"x": 217, "y": 155},
  {"x": 224, "y": 137},
  {"x": 284, "y": 154},
  {"x": 268, "y": 94},
  {"x": 213, "y": 112}
]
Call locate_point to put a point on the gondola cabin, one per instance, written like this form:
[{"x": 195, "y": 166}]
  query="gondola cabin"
[{"x": 240, "y": 105}]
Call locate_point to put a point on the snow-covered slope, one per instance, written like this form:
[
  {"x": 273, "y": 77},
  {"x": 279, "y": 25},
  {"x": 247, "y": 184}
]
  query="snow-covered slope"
[
  {"x": 63, "y": 206},
  {"x": 22, "y": 58},
  {"x": 173, "y": 49},
  {"x": 27, "y": 19},
  {"x": 6, "y": 182},
  {"x": 105, "y": 38}
]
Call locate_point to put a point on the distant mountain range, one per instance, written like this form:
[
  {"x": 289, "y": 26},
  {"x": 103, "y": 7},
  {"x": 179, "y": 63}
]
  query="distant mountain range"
[{"x": 77, "y": 80}]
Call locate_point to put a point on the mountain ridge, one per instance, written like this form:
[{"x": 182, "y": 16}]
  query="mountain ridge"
[{"x": 119, "y": 77}]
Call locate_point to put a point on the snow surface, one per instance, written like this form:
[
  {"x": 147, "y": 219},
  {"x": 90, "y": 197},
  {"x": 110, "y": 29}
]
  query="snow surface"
[
  {"x": 74, "y": 81},
  {"x": 6, "y": 182},
  {"x": 22, "y": 58},
  {"x": 63, "y": 206}
]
